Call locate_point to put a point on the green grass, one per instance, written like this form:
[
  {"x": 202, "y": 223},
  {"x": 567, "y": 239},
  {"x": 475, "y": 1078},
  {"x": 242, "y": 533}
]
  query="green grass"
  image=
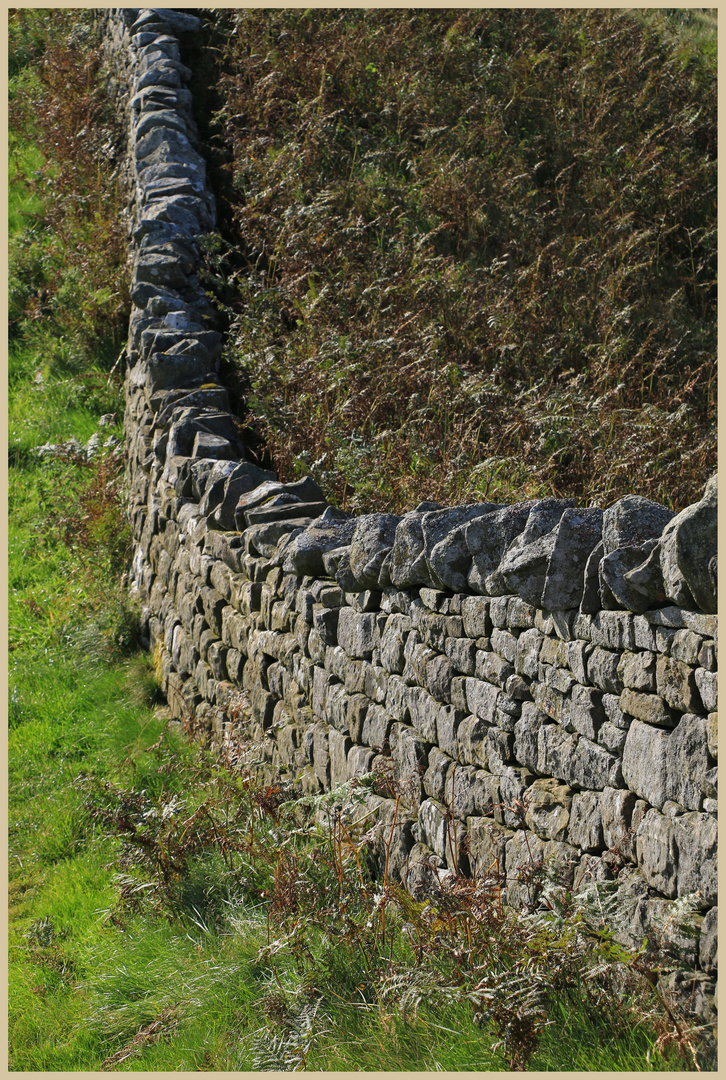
[{"x": 164, "y": 913}]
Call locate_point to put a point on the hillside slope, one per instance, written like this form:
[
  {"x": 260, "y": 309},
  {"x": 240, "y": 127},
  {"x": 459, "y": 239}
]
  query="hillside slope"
[{"x": 470, "y": 253}]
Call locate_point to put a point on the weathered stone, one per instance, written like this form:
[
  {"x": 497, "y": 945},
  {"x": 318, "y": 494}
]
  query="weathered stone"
[
  {"x": 712, "y": 734},
  {"x": 707, "y": 684},
  {"x": 481, "y": 699},
  {"x": 523, "y": 570},
  {"x": 487, "y": 539},
  {"x": 577, "y": 534},
  {"x": 372, "y": 539},
  {"x": 585, "y": 828},
  {"x": 408, "y": 561},
  {"x": 547, "y": 811},
  {"x": 708, "y": 941},
  {"x": 526, "y": 732},
  {"x": 448, "y": 557},
  {"x": 472, "y": 742},
  {"x": 649, "y": 708},
  {"x": 633, "y": 520},
  {"x": 616, "y": 812},
  {"x": 645, "y": 762},
  {"x": 583, "y": 711},
  {"x": 530, "y": 861},
  {"x": 695, "y": 837},
  {"x": 475, "y": 615},
  {"x": 688, "y": 545},
  {"x": 304, "y": 555},
  {"x": 487, "y": 847},
  {"x": 557, "y": 753},
  {"x": 434, "y": 779},
  {"x": 687, "y": 762}
]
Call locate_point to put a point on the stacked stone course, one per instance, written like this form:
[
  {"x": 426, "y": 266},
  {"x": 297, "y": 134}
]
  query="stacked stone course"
[{"x": 534, "y": 684}]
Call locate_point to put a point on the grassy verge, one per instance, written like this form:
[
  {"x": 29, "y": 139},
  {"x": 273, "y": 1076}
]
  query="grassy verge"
[
  {"x": 165, "y": 913},
  {"x": 472, "y": 253}
]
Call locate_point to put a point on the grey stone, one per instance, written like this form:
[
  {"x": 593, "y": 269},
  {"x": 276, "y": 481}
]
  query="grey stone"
[
  {"x": 687, "y": 762},
  {"x": 591, "y": 600},
  {"x": 526, "y": 733},
  {"x": 695, "y": 836},
  {"x": 332, "y": 529},
  {"x": 616, "y": 812},
  {"x": 645, "y": 762},
  {"x": 523, "y": 570},
  {"x": 372, "y": 540},
  {"x": 633, "y": 520},
  {"x": 488, "y": 537},
  {"x": 708, "y": 941},
  {"x": 481, "y": 699},
  {"x": 529, "y": 861},
  {"x": 557, "y": 753},
  {"x": 617, "y": 590},
  {"x": 472, "y": 741},
  {"x": 649, "y": 708},
  {"x": 445, "y": 532},
  {"x": 180, "y": 22},
  {"x": 676, "y": 684},
  {"x": 583, "y": 711},
  {"x": 434, "y": 779},
  {"x": 408, "y": 562},
  {"x": 602, "y": 670},
  {"x": 657, "y": 854},
  {"x": 688, "y": 545},
  {"x": 647, "y": 579},
  {"x": 707, "y": 684},
  {"x": 487, "y": 847},
  {"x": 577, "y": 534},
  {"x": 636, "y": 671},
  {"x": 547, "y": 813},
  {"x": 585, "y": 828}
]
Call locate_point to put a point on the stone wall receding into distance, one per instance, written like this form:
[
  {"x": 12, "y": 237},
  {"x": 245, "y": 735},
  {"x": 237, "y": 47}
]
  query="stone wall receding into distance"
[{"x": 534, "y": 683}]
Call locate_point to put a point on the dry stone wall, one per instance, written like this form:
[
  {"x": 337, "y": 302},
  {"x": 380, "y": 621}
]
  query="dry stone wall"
[{"x": 533, "y": 685}]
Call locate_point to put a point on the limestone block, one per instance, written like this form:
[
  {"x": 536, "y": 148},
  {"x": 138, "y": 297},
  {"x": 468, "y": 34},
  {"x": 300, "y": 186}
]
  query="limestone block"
[
  {"x": 689, "y": 544},
  {"x": 423, "y": 710},
  {"x": 462, "y": 654},
  {"x": 656, "y": 852},
  {"x": 650, "y": 708},
  {"x": 439, "y": 674},
  {"x": 447, "y": 724},
  {"x": 410, "y": 757},
  {"x": 708, "y": 941},
  {"x": 359, "y": 761},
  {"x": 557, "y": 753},
  {"x": 339, "y": 746},
  {"x": 488, "y": 538},
  {"x": 712, "y": 734},
  {"x": 612, "y": 738},
  {"x": 475, "y": 615},
  {"x": 376, "y": 727},
  {"x": 393, "y": 641},
  {"x": 687, "y": 762},
  {"x": 616, "y": 813},
  {"x": 585, "y": 828},
  {"x": 526, "y": 660},
  {"x": 372, "y": 539},
  {"x": 583, "y": 711},
  {"x": 321, "y": 755},
  {"x": 676, "y": 684},
  {"x": 357, "y": 632},
  {"x": 695, "y": 837},
  {"x": 304, "y": 555},
  {"x": 408, "y": 561},
  {"x": 471, "y": 737},
  {"x": 645, "y": 762},
  {"x": 434, "y": 779},
  {"x": 636, "y": 671},
  {"x": 526, "y": 732},
  {"x": 707, "y": 684},
  {"x": 487, "y": 846},
  {"x": 529, "y": 861},
  {"x": 547, "y": 813},
  {"x": 481, "y": 699}
]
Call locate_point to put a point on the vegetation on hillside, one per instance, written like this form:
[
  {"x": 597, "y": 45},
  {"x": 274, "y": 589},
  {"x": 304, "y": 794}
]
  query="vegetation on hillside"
[
  {"x": 471, "y": 252},
  {"x": 164, "y": 912}
]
